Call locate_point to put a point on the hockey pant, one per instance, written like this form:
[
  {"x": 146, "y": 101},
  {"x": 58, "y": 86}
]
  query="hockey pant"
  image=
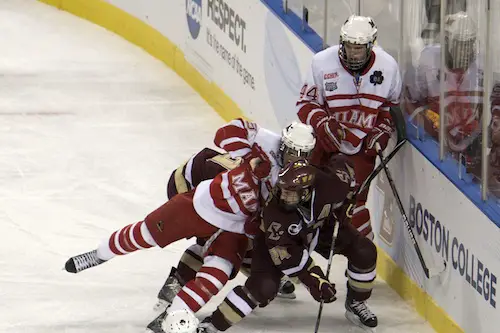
[
  {"x": 363, "y": 166},
  {"x": 263, "y": 283},
  {"x": 173, "y": 221}
]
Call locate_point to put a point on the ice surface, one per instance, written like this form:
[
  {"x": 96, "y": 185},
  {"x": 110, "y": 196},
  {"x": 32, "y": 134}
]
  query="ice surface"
[{"x": 90, "y": 129}]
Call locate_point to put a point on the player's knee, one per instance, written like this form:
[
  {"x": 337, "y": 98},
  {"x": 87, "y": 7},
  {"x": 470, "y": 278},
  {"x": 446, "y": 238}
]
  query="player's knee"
[
  {"x": 262, "y": 287},
  {"x": 366, "y": 253}
]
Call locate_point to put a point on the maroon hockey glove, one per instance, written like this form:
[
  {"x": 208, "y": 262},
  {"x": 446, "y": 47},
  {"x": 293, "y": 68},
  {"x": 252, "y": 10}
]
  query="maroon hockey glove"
[
  {"x": 260, "y": 164},
  {"x": 329, "y": 133},
  {"x": 380, "y": 134},
  {"x": 318, "y": 285}
]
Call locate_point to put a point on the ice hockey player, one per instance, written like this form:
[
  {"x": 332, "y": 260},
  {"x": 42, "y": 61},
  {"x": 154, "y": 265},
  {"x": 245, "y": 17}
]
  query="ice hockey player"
[
  {"x": 296, "y": 140},
  {"x": 463, "y": 77},
  {"x": 297, "y": 219},
  {"x": 347, "y": 97},
  {"x": 215, "y": 210}
]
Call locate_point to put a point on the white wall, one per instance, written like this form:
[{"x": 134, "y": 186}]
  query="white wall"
[
  {"x": 254, "y": 58},
  {"x": 447, "y": 226}
]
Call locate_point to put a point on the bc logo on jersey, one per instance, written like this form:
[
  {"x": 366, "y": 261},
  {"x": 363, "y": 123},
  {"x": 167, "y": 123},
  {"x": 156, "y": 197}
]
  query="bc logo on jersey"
[{"x": 193, "y": 11}]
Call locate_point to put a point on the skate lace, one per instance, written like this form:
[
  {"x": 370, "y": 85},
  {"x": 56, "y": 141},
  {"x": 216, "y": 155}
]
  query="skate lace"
[
  {"x": 362, "y": 310},
  {"x": 86, "y": 260}
]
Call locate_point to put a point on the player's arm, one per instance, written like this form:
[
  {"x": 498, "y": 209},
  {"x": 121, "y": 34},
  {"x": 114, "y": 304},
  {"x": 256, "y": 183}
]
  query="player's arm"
[
  {"x": 311, "y": 110},
  {"x": 292, "y": 258},
  {"x": 236, "y": 137},
  {"x": 381, "y": 132}
]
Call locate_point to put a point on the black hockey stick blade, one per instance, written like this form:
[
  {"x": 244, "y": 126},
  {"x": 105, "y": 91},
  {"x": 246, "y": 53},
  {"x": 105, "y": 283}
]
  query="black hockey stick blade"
[
  {"x": 380, "y": 167},
  {"x": 428, "y": 272}
]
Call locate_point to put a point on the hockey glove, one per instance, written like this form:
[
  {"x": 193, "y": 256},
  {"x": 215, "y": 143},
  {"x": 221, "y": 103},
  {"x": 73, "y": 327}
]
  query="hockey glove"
[
  {"x": 318, "y": 285},
  {"x": 259, "y": 162},
  {"x": 330, "y": 134},
  {"x": 252, "y": 226},
  {"x": 380, "y": 134}
]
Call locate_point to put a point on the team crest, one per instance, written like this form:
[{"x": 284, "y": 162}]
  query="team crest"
[
  {"x": 376, "y": 78},
  {"x": 294, "y": 229},
  {"x": 330, "y": 86}
]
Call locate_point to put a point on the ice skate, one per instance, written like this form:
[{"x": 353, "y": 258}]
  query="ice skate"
[
  {"x": 167, "y": 293},
  {"x": 287, "y": 289},
  {"x": 83, "y": 261},
  {"x": 155, "y": 325},
  {"x": 206, "y": 326},
  {"x": 359, "y": 314},
  {"x": 176, "y": 321}
]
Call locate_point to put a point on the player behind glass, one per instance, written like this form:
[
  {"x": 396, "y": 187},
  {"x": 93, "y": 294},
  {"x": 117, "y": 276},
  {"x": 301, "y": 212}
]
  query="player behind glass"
[
  {"x": 296, "y": 140},
  {"x": 347, "y": 98},
  {"x": 296, "y": 220},
  {"x": 463, "y": 77}
]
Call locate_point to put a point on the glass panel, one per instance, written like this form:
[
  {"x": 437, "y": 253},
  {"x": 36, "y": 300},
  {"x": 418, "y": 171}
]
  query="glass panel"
[
  {"x": 493, "y": 179},
  {"x": 420, "y": 79},
  {"x": 464, "y": 52},
  {"x": 338, "y": 12},
  {"x": 385, "y": 14}
]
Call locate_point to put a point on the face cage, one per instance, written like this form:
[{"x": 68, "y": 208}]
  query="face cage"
[
  {"x": 460, "y": 54},
  {"x": 288, "y": 154},
  {"x": 299, "y": 196},
  {"x": 354, "y": 65}
]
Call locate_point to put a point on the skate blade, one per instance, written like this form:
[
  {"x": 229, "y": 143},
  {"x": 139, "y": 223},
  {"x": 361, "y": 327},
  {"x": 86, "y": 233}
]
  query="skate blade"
[
  {"x": 355, "y": 320},
  {"x": 287, "y": 296}
]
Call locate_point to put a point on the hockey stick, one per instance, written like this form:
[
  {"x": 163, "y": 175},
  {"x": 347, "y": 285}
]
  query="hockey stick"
[
  {"x": 428, "y": 272},
  {"x": 328, "y": 267},
  {"x": 379, "y": 168}
]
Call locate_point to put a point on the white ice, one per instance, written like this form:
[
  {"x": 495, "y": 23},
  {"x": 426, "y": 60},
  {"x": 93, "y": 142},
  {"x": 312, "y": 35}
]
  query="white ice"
[{"x": 90, "y": 129}]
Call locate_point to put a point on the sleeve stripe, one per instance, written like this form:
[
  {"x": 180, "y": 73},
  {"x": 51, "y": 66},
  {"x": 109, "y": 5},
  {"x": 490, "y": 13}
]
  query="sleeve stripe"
[
  {"x": 306, "y": 109},
  {"x": 226, "y": 191},
  {"x": 312, "y": 113},
  {"x": 300, "y": 266},
  {"x": 189, "y": 170},
  {"x": 229, "y": 131},
  {"x": 232, "y": 144},
  {"x": 218, "y": 194}
]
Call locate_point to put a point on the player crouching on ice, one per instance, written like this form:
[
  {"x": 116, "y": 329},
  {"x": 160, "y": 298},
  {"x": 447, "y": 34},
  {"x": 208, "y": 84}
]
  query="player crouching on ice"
[
  {"x": 297, "y": 219},
  {"x": 296, "y": 140},
  {"x": 215, "y": 210}
]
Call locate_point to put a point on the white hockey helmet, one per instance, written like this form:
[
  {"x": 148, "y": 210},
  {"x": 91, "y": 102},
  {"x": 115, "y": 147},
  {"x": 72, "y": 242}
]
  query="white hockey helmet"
[
  {"x": 460, "y": 40},
  {"x": 297, "y": 140},
  {"x": 355, "y": 32},
  {"x": 180, "y": 321}
]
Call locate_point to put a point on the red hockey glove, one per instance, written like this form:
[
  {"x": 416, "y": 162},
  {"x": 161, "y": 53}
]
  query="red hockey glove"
[
  {"x": 252, "y": 226},
  {"x": 260, "y": 164},
  {"x": 381, "y": 135},
  {"x": 329, "y": 134},
  {"x": 318, "y": 285}
]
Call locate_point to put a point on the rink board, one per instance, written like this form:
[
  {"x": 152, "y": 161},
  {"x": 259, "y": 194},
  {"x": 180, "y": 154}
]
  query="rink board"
[{"x": 253, "y": 66}]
